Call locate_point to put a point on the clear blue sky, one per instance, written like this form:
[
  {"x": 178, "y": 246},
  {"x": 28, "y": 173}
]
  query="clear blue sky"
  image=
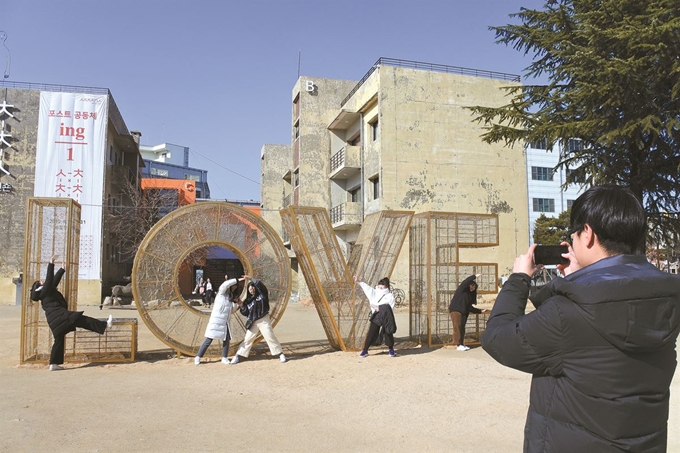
[{"x": 217, "y": 75}]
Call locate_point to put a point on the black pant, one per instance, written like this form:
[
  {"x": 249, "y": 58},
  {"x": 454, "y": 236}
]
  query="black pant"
[
  {"x": 372, "y": 335},
  {"x": 84, "y": 322},
  {"x": 208, "y": 342}
]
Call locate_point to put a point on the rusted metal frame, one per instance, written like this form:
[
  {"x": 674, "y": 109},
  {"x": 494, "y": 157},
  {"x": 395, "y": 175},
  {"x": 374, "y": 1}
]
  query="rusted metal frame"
[{"x": 300, "y": 244}]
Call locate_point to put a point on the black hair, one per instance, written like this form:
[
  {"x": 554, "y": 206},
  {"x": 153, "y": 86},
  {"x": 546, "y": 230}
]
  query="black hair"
[
  {"x": 35, "y": 296},
  {"x": 615, "y": 215},
  {"x": 234, "y": 289},
  {"x": 385, "y": 282}
]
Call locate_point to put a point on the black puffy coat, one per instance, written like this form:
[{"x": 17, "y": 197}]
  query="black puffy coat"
[
  {"x": 464, "y": 299},
  {"x": 60, "y": 319},
  {"x": 255, "y": 306},
  {"x": 601, "y": 348}
]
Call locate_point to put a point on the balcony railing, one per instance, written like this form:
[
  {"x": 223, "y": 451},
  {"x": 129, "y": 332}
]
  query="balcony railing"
[
  {"x": 337, "y": 160},
  {"x": 345, "y": 162},
  {"x": 346, "y": 215}
]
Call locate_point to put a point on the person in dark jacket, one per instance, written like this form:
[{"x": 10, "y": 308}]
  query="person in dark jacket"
[
  {"x": 60, "y": 319},
  {"x": 460, "y": 308},
  {"x": 256, "y": 310},
  {"x": 208, "y": 293},
  {"x": 601, "y": 343}
]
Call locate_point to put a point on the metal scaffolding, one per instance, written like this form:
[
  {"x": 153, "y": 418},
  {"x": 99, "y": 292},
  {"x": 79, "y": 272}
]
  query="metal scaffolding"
[
  {"x": 341, "y": 305},
  {"x": 180, "y": 237},
  {"x": 435, "y": 240},
  {"x": 53, "y": 228}
]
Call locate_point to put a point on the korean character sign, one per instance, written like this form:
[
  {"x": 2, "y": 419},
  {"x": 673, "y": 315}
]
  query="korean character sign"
[{"x": 70, "y": 162}]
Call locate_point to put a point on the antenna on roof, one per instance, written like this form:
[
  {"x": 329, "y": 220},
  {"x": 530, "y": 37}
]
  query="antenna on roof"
[{"x": 3, "y": 38}]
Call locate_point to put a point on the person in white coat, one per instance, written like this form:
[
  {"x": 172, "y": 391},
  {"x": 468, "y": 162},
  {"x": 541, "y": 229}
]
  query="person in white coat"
[
  {"x": 382, "y": 314},
  {"x": 218, "y": 325}
]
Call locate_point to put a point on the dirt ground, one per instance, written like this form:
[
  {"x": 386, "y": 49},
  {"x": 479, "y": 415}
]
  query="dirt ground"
[{"x": 424, "y": 400}]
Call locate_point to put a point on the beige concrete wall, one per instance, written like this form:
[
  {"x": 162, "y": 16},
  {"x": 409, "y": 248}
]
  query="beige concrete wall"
[
  {"x": 317, "y": 109},
  {"x": 429, "y": 155},
  {"x": 7, "y": 291},
  {"x": 275, "y": 162},
  {"x": 89, "y": 292},
  {"x": 20, "y": 161},
  {"x": 432, "y": 157}
]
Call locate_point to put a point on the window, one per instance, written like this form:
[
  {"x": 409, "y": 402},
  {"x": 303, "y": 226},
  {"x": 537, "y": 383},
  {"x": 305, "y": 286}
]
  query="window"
[
  {"x": 541, "y": 173},
  {"x": 576, "y": 179},
  {"x": 570, "y": 203},
  {"x": 574, "y": 145},
  {"x": 375, "y": 130},
  {"x": 159, "y": 172},
  {"x": 544, "y": 204},
  {"x": 355, "y": 140},
  {"x": 355, "y": 194},
  {"x": 296, "y": 107},
  {"x": 296, "y": 178},
  {"x": 540, "y": 144},
  {"x": 114, "y": 205},
  {"x": 192, "y": 177},
  {"x": 375, "y": 183}
]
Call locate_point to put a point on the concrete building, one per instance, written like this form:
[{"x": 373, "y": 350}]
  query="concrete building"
[
  {"x": 545, "y": 184},
  {"x": 172, "y": 161},
  {"x": 65, "y": 141},
  {"x": 402, "y": 138}
]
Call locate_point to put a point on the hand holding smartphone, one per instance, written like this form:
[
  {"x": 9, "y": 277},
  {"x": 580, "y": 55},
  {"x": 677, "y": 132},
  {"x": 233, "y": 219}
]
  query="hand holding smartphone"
[{"x": 550, "y": 254}]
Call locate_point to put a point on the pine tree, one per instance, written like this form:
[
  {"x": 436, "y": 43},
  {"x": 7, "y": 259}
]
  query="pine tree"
[
  {"x": 551, "y": 230},
  {"x": 613, "y": 82}
]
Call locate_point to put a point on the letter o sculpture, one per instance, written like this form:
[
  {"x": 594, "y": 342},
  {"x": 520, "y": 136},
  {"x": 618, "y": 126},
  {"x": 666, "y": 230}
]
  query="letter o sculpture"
[{"x": 156, "y": 270}]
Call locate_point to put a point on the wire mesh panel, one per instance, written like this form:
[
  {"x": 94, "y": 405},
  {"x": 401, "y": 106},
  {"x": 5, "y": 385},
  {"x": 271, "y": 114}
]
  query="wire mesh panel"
[
  {"x": 342, "y": 306},
  {"x": 117, "y": 344},
  {"x": 183, "y": 235},
  {"x": 435, "y": 240},
  {"x": 52, "y": 229}
]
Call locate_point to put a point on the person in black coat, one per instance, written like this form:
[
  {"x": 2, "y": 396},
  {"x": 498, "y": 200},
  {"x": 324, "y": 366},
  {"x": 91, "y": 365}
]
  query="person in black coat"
[
  {"x": 460, "y": 307},
  {"x": 600, "y": 344},
  {"x": 255, "y": 308},
  {"x": 60, "y": 319}
]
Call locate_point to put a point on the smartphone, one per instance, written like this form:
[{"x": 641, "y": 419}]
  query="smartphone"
[{"x": 550, "y": 254}]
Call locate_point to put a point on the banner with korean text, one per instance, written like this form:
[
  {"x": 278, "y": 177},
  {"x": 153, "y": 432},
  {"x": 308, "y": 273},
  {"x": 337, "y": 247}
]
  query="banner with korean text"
[{"x": 70, "y": 163}]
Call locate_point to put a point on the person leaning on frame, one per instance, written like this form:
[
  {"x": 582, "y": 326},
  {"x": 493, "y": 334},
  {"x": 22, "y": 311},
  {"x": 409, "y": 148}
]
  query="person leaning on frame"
[{"x": 601, "y": 343}]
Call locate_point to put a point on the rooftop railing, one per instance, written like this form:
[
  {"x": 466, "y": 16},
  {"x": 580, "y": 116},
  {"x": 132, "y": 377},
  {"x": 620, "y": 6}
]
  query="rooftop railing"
[{"x": 431, "y": 67}]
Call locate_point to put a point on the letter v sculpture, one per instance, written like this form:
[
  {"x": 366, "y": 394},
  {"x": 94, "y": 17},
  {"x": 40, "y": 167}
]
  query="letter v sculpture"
[{"x": 341, "y": 305}]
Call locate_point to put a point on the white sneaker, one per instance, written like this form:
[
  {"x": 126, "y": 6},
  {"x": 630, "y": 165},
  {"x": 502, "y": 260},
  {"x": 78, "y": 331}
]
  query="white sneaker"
[
  {"x": 56, "y": 368},
  {"x": 197, "y": 360},
  {"x": 109, "y": 322},
  {"x": 462, "y": 347},
  {"x": 225, "y": 361},
  {"x": 234, "y": 360},
  {"x": 282, "y": 358}
]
